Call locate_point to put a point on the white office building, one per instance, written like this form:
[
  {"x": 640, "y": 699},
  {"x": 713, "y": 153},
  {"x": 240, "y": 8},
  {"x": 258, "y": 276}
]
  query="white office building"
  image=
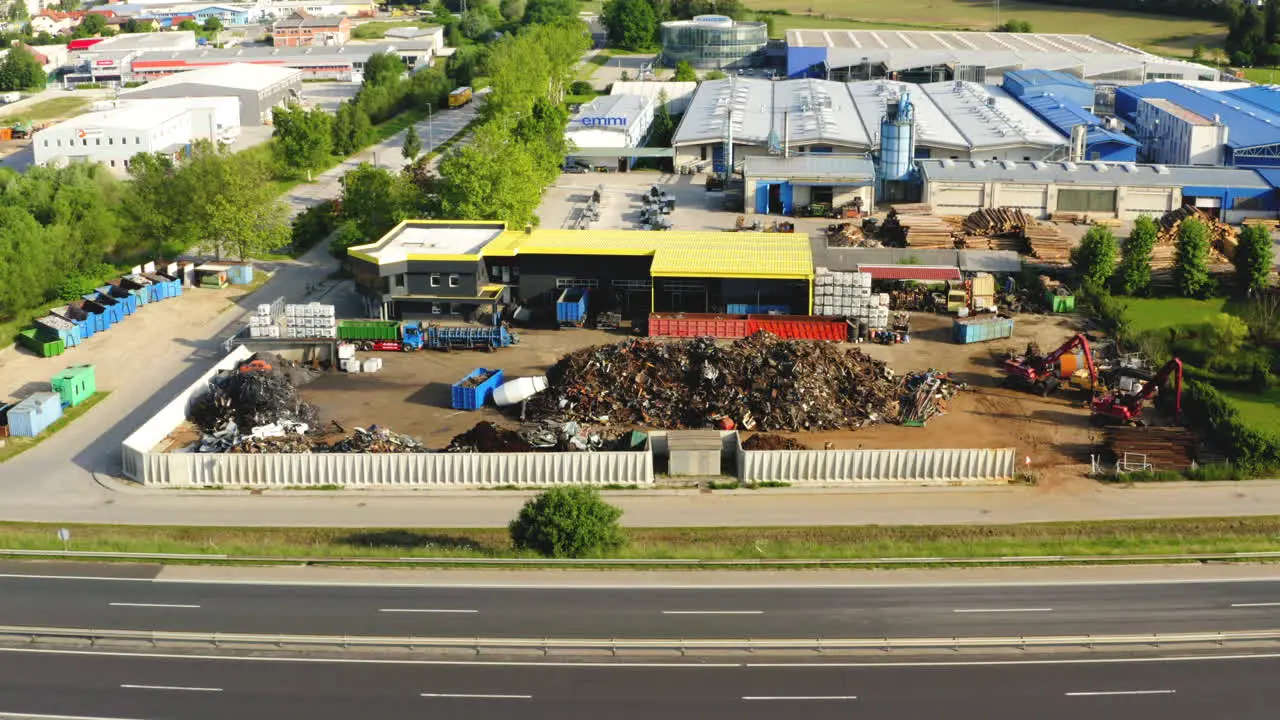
[
  {"x": 216, "y": 119},
  {"x": 114, "y": 136}
]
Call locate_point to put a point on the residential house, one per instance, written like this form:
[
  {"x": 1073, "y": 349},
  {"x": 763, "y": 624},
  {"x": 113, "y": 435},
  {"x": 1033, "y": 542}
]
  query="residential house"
[
  {"x": 55, "y": 21},
  {"x": 303, "y": 30}
]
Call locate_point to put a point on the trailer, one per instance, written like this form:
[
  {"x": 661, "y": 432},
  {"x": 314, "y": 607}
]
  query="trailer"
[{"x": 393, "y": 336}]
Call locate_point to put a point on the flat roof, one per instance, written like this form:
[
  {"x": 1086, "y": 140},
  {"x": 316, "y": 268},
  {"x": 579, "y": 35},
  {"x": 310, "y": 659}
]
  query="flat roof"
[
  {"x": 987, "y": 116},
  {"x": 144, "y": 42},
  {"x": 1266, "y": 97},
  {"x": 811, "y": 165},
  {"x": 412, "y": 240},
  {"x": 628, "y": 107},
  {"x": 310, "y": 21},
  {"x": 348, "y": 53},
  {"x": 125, "y": 117},
  {"x": 1064, "y": 115},
  {"x": 933, "y": 127},
  {"x": 235, "y": 75},
  {"x": 1178, "y": 111},
  {"x": 1250, "y": 125},
  {"x": 1092, "y": 173},
  {"x": 1034, "y": 77}
]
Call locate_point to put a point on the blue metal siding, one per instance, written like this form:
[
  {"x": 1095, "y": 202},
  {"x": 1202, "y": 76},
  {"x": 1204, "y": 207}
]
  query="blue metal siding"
[
  {"x": 787, "y": 197},
  {"x": 801, "y": 59},
  {"x": 1249, "y": 125}
]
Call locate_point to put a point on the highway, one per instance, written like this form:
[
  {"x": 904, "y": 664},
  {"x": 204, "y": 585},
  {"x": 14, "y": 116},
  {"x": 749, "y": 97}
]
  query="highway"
[
  {"x": 140, "y": 601},
  {"x": 122, "y": 686}
]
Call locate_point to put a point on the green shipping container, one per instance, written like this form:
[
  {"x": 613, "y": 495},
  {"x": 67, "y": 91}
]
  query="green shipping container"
[
  {"x": 369, "y": 330},
  {"x": 75, "y": 384},
  {"x": 1060, "y": 303},
  {"x": 41, "y": 343}
]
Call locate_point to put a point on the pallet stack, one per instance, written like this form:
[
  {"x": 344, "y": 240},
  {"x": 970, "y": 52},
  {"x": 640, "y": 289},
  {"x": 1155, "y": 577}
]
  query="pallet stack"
[
  {"x": 312, "y": 320},
  {"x": 848, "y": 295}
]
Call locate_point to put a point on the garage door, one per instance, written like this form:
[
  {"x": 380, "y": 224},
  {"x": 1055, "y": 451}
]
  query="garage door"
[
  {"x": 952, "y": 199},
  {"x": 1028, "y": 199},
  {"x": 1149, "y": 202},
  {"x": 1086, "y": 201}
]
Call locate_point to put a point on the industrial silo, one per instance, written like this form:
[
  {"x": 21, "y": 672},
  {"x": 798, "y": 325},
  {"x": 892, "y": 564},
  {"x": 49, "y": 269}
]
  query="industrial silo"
[{"x": 896, "y": 161}]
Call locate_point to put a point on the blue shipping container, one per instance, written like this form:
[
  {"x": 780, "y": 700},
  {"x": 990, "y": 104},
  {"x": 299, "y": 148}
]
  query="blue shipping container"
[
  {"x": 128, "y": 302},
  {"x": 981, "y": 329},
  {"x": 105, "y": 317},
  {"x": 240, "y": 274},
  {"x": 30, "y": 417},
  {"x": 113, "y": 309},
  {"x": 474, "y": 398},
  {"x": 745, "y": 309},
  {"x": 571, "y": 309}
]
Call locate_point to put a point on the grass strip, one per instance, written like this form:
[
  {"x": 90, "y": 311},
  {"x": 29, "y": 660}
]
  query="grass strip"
[
  {"x": 1124, "y": 537},
  {"x": 15, "y": 446}
]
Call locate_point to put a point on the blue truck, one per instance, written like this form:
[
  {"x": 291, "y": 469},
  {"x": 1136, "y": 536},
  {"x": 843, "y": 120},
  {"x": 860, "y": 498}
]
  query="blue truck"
[
  {"x": 389, "y": 335},
  {"x": 571, "y": 308}
]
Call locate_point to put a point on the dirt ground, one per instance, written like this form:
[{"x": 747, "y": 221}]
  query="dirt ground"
[{"x": 411, "y": 394}]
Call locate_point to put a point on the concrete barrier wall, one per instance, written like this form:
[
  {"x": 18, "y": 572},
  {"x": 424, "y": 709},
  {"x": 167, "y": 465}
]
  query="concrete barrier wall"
[
  {"x": 145, "y": 438},
  {"x": 416, "y": 470},
  {"x": 877, "y": 467}
]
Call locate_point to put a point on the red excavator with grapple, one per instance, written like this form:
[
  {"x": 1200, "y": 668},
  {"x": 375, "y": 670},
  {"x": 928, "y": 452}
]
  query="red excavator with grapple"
[
  {"x": 1040, "y": 373},
  {"x": 1115, "y": 408}
]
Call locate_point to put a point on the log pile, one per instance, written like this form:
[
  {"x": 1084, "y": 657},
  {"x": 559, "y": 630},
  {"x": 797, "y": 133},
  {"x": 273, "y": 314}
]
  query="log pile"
[
  {"x": 927, "y": 232},
  {"x": 1164, "y": 255},
  {"x": 1163, "y": 448},
  {"x": 1047, "y": 243},
  {"x": 912, "y": 208},
  {"x": 996, "y": 221}
]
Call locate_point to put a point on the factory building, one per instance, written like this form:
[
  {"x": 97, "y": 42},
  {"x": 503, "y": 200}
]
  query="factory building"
[
  {"x": 114, "y": 136},
  {"x": 342, "y": 63},
  {"x": 258, "y": 88},
  {"x": 929, "y": 56},
  {"x": 955, "y": 120},
  {"x": 1250, "y": 133},
  {"x": 443, "y": 269},
  {"x": 714, "y": 42},
  {"x": 1095, "y": 140},
  {"x": 1098, "y": 190},
  {"x": 1063, "y": 86},
  {"x": 606, "y": 130},
  {"x": 780, "y": 185}
]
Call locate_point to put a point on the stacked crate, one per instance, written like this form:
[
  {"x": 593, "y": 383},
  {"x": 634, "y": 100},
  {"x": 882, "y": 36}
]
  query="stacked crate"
[
  {"x": 312, "y": 320},
  {"x": 848, "y": 295},
  {"x": 265, "y": 321}
]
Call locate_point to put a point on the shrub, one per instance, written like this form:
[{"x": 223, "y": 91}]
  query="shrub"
[
  {"x": 1192, "y": 269},
  {"x": 1134, "y": 276},
  {"x": 312, "y": 225},
  {"x": 1226, "y": 333},
  {"x": 567, "y": 522},
  {"x": 1206, "y": 410},
  {"x": 581, "y": 87},
  {"x": 1095, "y": 257},
  {"x": 1106, "y": 308}
]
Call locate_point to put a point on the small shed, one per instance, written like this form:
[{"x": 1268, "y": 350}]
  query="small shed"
[
  {"x": 32, "y": 416},
  {"x": 781, "y": 185},
  {"x": 694, "y": 453},
  {"x": 75, "y": 384}
]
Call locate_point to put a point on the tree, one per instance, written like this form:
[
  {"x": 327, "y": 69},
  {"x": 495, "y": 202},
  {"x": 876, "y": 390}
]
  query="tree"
[
  {"x": 1198, "y": 52},
  {"x": 134, "y": 25},
  {"x": 373, "y": 199},
  {"x": 21, "y": 71},
  {"x": 342, "y": 126},
  {"x": 231, "y": 205},
  {"x": 663, "y": 126},
  {"x": 512, "y": 9},
  {"x": 1095, "y": 257},
  {"x": 212, "y": 24},
  {"x": 303, "y": 138},
  {"x": 17, "y": 12},
  {"x": 189, "y": 24},
  {"x": 684, "y": 72},
  {"x": 1014, "y": 26},
  {"x": 92, "y": 24},
  {"x": 1134, "y": 277},
  {"x": 631, "y": 24},
  {"x": 567, "y": 522},
  {"x": 1191, "y": 271},
  {"x": 1254, "y": 258},
  {"x": 491, "y": 178},
  {"x": 412, "y": 145},
  {"x": 476, "y": 25},
  {"x": 382, "y": 70},
  {"x": 714, "y": 75},
  {"x": 1225, "y": 333},
  {"x": 454, "y": 37},
  {"x": 154, "y": 209},
  {"x": 767, "y": 19},
  {"x": 543, "y": 12}
]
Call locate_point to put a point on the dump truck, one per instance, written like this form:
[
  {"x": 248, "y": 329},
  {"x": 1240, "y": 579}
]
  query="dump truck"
[{"x": 394, "y": 336}]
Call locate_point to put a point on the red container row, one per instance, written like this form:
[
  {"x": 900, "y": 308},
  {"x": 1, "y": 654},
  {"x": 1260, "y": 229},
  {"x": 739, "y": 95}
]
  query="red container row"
[{"x": 732, "y": 327}]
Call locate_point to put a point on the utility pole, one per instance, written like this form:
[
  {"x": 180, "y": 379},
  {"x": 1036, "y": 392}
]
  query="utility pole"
[{"x": 997, "y": 12}]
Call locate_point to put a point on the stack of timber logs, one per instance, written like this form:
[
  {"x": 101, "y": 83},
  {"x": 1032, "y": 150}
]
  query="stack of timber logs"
[
  {"x": 1047, "y": 243},
  {"x": 996, "y": 221},
  {"x": 928, "y": 232},
  {"x": 1222, "y": 241},
  {"x": 1163, "y": 448}
]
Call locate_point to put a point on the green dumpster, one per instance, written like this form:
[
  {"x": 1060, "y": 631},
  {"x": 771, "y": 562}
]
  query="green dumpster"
[
  {"x": 75, "y": 384},
  {"x": 1059, "y": 303}
]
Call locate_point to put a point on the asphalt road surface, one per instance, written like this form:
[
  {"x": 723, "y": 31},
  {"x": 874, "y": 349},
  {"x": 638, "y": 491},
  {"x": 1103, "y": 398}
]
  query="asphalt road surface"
[
  {"x": 106, "y": 686},
  {"x": 141, "y": 603}
]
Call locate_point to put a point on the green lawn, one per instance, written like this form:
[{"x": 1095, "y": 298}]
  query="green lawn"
[
  {"x": 1156, "y": 313},
  {"x": 54, "y": 109},
  {"x": 1260, "y": 410},
  {"x": 1261, "y": 75},
  {"x": 15, "y": 446},
  {"x": 378, "y": 28},
  {"x": 1168, "y": 34}
]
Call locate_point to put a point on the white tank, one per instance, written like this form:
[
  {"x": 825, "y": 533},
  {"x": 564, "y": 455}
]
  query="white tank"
[{"x": 519, "y": 390}]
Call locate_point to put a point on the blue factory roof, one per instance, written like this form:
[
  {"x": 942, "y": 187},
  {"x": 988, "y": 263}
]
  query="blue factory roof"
[
  {"x": 1249, "y": 125},
  {"x": 1031, "y": 78},
  {"x": 1271, "y": 175},
  {"x": 1266, "y": 97},
  {"x": 1064, "y": 115}
]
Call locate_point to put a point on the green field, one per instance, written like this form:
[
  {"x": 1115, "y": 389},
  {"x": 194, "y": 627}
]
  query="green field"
[
  {"x": 1146, "y": 314},
  {"x": 1260, "y": 410},
  {"x": 377, "y": 29},
  {"x": 1266, "y": 76},
  {"x": 55, "y": 109},
  {"x": 1167, "y": 34}
]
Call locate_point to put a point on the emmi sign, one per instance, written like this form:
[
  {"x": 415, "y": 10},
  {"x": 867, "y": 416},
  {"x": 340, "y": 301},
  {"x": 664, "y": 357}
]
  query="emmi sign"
[{"x": 603, "y": 122}]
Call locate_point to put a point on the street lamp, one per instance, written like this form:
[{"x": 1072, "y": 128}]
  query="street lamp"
[{"x": 430, "y": 116}]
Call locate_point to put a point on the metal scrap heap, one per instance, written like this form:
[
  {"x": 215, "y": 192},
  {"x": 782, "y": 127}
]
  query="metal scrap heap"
[
  {"x": 259, "y": 392},
  {"x": 759, "y": 383}
]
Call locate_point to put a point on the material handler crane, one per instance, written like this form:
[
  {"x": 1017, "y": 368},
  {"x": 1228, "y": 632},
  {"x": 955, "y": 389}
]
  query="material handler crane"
[
  {"x": 1127, "y": 409},
  {"x": 1040, "y": 374}
]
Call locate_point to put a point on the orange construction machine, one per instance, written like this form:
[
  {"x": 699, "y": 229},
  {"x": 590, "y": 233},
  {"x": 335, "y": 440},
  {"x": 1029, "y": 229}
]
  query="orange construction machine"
[
  {"x": 1117, "y": 408},
  {"x": 1040, "y": 373}
]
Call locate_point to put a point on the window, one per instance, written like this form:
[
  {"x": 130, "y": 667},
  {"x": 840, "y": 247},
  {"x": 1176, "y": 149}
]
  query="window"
[
  {"x": 137, "y": 140},
  {"x": 454, "y": 281},
  {"x": 111, "y": 141},
  {"x": 399, "y": 281},
  {"x": 46, "y": 143},
  {"x": 97, "y": 141},
  {"x": 113, "y": 163},
  {"x": 435, "y": 279},
  {"x": 1026, "y": 158},
  {"x": 591, "y": 283},
  {"x": 59, "y": 143},
  {"x": 435, "y": 308},
  {"x": 1086, "y": 200},
  {"x": 822, "y": 195},
  {"x": 1250, "y": 203},
  {"x": 632, "y": 285}
]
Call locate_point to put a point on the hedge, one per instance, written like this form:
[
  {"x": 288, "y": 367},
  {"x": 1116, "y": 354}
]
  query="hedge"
[{"x": 1208, "y": 412}]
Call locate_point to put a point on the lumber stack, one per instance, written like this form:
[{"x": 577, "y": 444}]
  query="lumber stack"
[
  {"x": 912, "y": 208},
  {"x": 1164, "y": 448},
  {"x": 927, "y": 232},
  {"x": 1222, "y": 237},
  {"x": 996, "y": 221},
  {"x": 1047, "y": 243}
]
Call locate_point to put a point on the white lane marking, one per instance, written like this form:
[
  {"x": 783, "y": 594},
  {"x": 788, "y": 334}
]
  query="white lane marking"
[
  {"x": 154, "y": 605},
  {"x": 712, "y": 612},
  {"x": 1248, "y": 605},
  {"x": 813, "y": 697},
  {"x": 35, "y": 716},
  {"x": 1120, "y": 692},
  {"x": 477, "y": 696},
  {"x": 424, "y": 610},
  {"x": 1001, "y": 610},
  {"x": 171, "y": 687}
]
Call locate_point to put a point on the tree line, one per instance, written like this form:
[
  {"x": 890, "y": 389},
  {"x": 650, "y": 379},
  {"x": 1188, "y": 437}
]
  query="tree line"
[{"x": 1253, "y": 33}]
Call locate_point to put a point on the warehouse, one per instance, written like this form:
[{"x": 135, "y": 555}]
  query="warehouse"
[
  {"x": 1252, "y": 132},
  {"x": 1096, "y": 190},
  {"x": 343, "y": 63},
  {"x": 954, "y": 120},
  {"x": 930, "y": 56},
  {"x": 781, "y": 185},
  {"x": 461, "y": 269},
  {"x": 113, "y": 137},
  {"x": 1100, "y": 142},
  {"x": 605, "y": 129},
  {"x": 213, "y": 118},
  {"x": 258, "y": 88},
  {"x": 1061, "y": 85},
  {"x": 1177, "y": 136}
]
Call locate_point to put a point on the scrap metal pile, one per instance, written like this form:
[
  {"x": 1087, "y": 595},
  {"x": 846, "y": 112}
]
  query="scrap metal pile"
[
  {"x": 763, "y": 441},
  {"x": 926, "y": 395},
  {"x": 759, "y": 382},
  {"x": 545, "y": 436}
]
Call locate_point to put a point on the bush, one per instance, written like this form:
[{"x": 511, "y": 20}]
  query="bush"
[
  {"x": 567, "y": 522},
  {"x": 1192, "y": 269},
  {"x": 1095, "y": 257},
  {"x": 1106, "y": 308},
  {"x": 581, "y": 87},
  {"x": 1207, "y": 411},
  {"x": 348, "y": 235},
  {"x": 312, "y": 225}
]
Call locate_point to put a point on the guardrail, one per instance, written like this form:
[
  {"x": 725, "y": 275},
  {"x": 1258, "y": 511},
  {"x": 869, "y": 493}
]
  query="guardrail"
[
  {"x": 648, "y": 562},
  {"x": 614, "y": 646}
]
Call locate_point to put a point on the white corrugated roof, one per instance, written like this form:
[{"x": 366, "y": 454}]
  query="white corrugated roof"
[
  {"x": 237, "y": 76},
  {"x": 988, "y": 117}
]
